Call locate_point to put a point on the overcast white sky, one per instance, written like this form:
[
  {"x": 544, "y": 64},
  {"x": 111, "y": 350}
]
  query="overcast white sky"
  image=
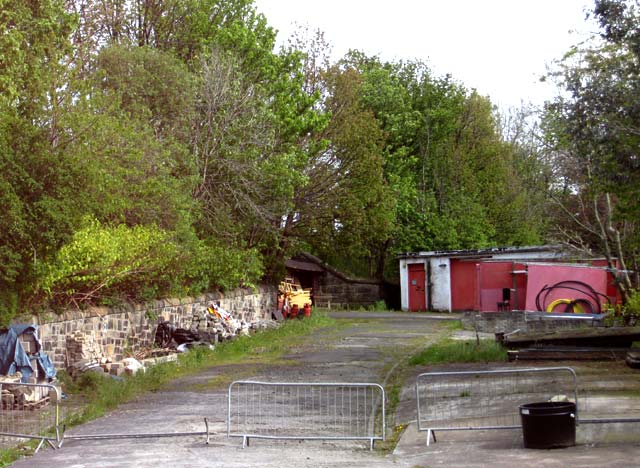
[{"x": 499, "y": 47}]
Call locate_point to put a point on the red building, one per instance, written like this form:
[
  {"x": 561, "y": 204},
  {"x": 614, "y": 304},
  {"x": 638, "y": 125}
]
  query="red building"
[{"x": 516, "y": 278}]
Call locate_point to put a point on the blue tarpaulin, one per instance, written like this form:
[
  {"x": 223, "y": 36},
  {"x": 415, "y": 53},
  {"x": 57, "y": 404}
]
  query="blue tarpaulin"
[{"x": 14, "y": 358}]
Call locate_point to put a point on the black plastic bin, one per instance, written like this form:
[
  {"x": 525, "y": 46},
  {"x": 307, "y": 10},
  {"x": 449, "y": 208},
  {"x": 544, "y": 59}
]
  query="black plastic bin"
[{"x": 549, "y": 424}]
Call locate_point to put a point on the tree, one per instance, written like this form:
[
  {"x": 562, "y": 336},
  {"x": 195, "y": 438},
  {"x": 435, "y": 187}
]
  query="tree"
[
  {"x": 340, "y": 208},
  {"x": 593, "y": 128},
  {"x": 343, "y": 210},
  {"x": 184, "y": 28},
  {"x": 455, "y": 180},
  {"x": 36, "y": 178},
  {"x": 233, "y": 138}
]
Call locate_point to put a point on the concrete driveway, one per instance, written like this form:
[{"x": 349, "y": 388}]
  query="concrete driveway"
[{"x": 367, "y": 350}]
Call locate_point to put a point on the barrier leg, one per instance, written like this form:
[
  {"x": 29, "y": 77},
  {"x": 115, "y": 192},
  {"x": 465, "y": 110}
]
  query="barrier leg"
[
  {"x": 39, "y": 445},
  {"x": 430, "y": 434}
]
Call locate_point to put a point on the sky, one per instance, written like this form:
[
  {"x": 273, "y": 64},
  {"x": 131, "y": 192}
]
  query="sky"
[{"x": 501, "y": 48}]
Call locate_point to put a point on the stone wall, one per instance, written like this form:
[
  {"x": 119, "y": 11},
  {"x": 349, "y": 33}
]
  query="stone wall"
[
  {"x": 507, "y": 322},
  {"x": 130, "y": 328}
]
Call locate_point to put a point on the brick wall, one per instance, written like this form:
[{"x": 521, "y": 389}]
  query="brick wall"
[{"x": 132, "y": 327}]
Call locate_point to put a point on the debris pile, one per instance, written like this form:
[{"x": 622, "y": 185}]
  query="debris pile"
[
  {"x": 216, "y": 319},
  {"x": 209, "y": 325},
  {"x": 22, "y": 397},
  {"x": 84, "y": 354},
  {"x": 22, "y": 361}
]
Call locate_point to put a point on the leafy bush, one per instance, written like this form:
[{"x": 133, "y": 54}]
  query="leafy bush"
[
  {"x": 213, "y": 265},
  {"x": 103, "y": 263},
  {"x": 631, "y": 310}
]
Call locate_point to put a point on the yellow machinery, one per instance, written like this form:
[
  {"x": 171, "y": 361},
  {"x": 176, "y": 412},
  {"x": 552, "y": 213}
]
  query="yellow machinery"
[{"x": 294, "y": 294}]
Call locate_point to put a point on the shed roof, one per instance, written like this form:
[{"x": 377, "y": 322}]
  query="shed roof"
[
  {"x": 489, "y": 252},
  {"x": 304, "y": 266}
]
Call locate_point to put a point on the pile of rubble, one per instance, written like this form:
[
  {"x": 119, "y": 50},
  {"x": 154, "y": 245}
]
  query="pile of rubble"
[
  {"x": 85, "y": 354},
  {"x": 21, "y": 396},
  {"x": 210, "y": 325}
]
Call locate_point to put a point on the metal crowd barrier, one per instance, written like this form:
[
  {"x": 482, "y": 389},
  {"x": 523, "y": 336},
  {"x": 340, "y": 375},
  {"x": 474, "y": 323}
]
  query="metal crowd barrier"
[
  {"x": 481, "y": 400},
  {"x": 306, "y": 411},
  {"x": 30, "y": 411}
]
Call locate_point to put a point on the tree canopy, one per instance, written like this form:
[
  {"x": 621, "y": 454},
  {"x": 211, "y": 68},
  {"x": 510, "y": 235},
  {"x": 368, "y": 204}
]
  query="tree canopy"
[
  {"x": 152, "y": 148},
  {"x": 593, "y": 140}
]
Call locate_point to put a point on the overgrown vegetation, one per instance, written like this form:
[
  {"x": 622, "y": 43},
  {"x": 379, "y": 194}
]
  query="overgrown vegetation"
[
  {"x": 154, "y": 148},
  {"x": 179, "y": 124},
  {"x": 454, "y": 351},
  {"x": 627, "y": 314}
]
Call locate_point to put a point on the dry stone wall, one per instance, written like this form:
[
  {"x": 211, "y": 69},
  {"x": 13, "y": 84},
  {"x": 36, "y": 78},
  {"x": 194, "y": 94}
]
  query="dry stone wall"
[{"x": 117, "y": 332}]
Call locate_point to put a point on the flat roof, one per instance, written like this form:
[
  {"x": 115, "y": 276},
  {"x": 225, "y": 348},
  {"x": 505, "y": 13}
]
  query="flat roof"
[{"x": 488, "y": 252}]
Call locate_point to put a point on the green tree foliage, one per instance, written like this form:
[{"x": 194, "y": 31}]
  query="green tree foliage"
[
  {"x": 164, "y": 147},
  {"x": 456, "y": 181},
  {"x": 592, "y": 130},
  {"x": 233, "y": 141},
  {"x": 183, "y": 28},
  {"x": 102, "y": 263},
  {"x": 36, "y": 178},
  {"x": 344, "y": 207}
]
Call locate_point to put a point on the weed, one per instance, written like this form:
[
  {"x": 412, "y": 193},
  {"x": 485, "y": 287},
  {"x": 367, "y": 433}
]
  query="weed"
[
  {"x": 454, "y": 325},
  {"x": 450, "y": 351},
  {"x": 378, "y": 306}
]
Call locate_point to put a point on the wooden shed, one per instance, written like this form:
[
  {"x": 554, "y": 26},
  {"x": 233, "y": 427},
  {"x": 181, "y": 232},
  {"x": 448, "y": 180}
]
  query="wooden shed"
[{"x": 332, "y": 288}]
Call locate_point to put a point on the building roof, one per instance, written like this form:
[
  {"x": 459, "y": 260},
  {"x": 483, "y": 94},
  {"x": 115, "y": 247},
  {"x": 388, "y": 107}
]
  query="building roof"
[
  {"x": 483, "y": 253},
  {"x": 304, "y": 266},
  {"x": 307, "y": 262}
]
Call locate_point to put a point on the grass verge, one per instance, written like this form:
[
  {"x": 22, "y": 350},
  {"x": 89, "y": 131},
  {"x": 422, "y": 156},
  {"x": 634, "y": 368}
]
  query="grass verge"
[
  {"x": 393, "y": 388},
  {"x": 454, "y": 351}
]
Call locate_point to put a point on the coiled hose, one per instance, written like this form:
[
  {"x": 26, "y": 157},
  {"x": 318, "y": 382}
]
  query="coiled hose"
[{"x": 594, "y": 304}]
